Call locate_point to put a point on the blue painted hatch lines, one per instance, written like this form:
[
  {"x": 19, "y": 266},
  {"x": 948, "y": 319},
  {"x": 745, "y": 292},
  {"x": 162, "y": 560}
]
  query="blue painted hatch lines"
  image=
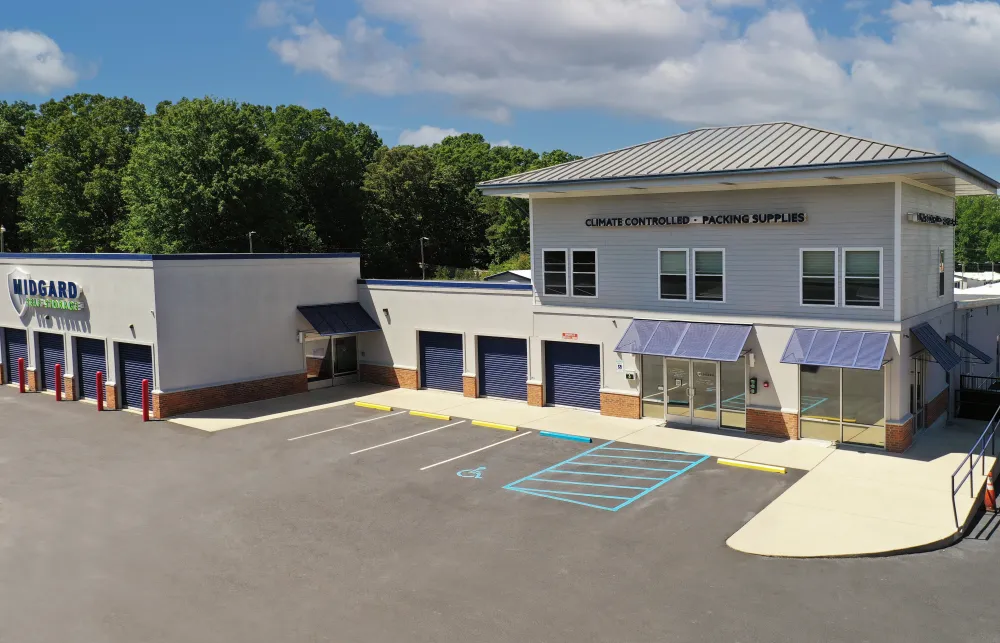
[{"x": 608, "y": 477}]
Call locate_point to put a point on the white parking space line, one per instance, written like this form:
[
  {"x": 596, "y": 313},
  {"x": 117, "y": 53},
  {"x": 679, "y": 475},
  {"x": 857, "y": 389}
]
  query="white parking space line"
[
  {"x": 488, "y": 446},
  {"x": 337, "y": 428},
  {"x": 415, "y": 435}
]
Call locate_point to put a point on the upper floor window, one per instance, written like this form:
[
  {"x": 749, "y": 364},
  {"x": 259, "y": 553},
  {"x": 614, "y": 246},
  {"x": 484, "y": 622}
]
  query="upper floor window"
[
  {"x": 709, "y": 275},
  {"x": 554, "y": 272},
  {"x": 863, "y": 277},
  {"x": 673, "y": 274},
  {"x": 584, "y": 273},
  {"x": 819, "y": 277},
  {"x": 941, "y": 272}
]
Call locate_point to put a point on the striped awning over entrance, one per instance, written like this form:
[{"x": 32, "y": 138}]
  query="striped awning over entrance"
[
  {"x": 693, "y": 340},
  {"x": 339, "y": 319},
  {"x": 969, "y": 348},
  {"x": 843, "y": 348},
  {"x": 936, "y": 346}
]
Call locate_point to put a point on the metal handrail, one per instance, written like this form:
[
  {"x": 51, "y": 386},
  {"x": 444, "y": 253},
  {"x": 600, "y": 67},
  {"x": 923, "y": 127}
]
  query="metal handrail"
[{"x": 988, "y": 437}]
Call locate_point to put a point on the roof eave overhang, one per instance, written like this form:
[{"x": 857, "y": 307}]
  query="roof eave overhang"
[{"x": 973, "y": 181}]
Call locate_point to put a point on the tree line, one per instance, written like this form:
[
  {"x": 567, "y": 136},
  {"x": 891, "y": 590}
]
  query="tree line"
[
  {"x": 90, "y": 173},
  {"x": 977, "y": 234}
]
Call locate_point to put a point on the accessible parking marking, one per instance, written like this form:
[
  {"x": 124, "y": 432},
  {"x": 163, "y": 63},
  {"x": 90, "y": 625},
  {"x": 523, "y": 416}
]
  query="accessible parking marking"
[
  {"x": 337, "y": 428},
  {"x": 415, "y": 435},
  {"x": 576, "y": 473},
  {"x": 488, "y": 446}
]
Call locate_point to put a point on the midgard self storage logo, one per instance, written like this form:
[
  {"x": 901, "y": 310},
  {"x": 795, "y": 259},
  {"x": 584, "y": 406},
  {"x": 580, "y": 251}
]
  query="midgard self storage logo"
[{"x": 27, "y": 293}]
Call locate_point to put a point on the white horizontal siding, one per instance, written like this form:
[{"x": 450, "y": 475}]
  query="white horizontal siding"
[
  {"x": 762, "y": 262},
  {"x": 920, "y": 243}
]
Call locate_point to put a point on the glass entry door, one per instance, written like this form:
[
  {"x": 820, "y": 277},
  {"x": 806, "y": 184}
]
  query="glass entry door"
[
  {"x": 692, "y": 392},
  {"x": 919, "y": 409}
]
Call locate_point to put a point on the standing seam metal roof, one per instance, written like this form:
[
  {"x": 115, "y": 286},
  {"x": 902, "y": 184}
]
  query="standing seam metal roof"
[{"x": 721, "y": 149}]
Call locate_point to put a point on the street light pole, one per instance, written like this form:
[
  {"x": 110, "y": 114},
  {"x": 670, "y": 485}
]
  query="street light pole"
[
  {"x": 2, "y": 230},
  {"x": 250, "y": 236},
  {"x": 423, "y": 266}
]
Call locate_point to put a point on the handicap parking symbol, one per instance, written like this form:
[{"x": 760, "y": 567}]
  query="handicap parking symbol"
[{"x": 472, "y": 473}]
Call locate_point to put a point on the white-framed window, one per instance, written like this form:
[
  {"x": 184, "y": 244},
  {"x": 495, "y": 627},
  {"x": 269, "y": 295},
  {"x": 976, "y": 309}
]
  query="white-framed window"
[
  {"x": 554, "y": 273},
  {"x": 862, "y": 283},
  {"x": 710, "y": 274},
  {"x": 584, "y": 272},
  {"x": 673, "y": 266},
  {"x": 818, "y": 276},
  {"x": 941, "y": 272}
]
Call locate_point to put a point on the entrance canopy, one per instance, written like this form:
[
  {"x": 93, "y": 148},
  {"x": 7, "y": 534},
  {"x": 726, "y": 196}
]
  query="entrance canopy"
[
  {"x": 843, "y": 348},
  {"x": 936, "y": 346},
  {"x": 339, "y": 319},
  {"x": 969, "y": 348},
  {"x": 716, "y": 342}
]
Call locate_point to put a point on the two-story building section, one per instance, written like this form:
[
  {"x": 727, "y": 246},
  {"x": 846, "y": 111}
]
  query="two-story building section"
[{"x": 776, "y": 278}]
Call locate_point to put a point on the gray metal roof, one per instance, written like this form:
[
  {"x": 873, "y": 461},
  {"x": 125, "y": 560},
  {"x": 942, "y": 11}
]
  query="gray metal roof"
[{"x": 722, "y": 149}]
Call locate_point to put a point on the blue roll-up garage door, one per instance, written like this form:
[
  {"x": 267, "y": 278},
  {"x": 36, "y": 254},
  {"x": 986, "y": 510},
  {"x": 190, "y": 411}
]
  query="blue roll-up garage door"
[
  {"x": 573, "y": 374},
  {"x": 441, "y": 361},
  {"x": 503, "y": 367},
  {"x": 135, "y": 363},
  {"x": 50, "y": 352},
  {"x": 90, "y": 359},
  {"x": 15, "y": 347}
]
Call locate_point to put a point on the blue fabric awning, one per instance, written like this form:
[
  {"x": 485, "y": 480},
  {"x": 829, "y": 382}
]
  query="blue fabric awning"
[
  {"x": 716, "y": 342},
  {"x": 339, "y": 319},
  {"x": 969, "y": 348},
  {"x": 936, "y": 346},
  {"x": 843, "y": 348}
]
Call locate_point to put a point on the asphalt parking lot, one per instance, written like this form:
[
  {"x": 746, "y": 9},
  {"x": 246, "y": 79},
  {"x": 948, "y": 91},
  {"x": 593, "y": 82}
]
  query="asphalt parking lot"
[{"x": 349, "y": 524}]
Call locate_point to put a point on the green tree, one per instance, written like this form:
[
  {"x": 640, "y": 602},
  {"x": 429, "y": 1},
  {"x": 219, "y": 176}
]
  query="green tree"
[
  {"x": 203, "y": 176},
  {"x": 326, "y": 160},
  {"x": 977, "y": 235},
  {"x": 71, "y": 199},
  {"x": 14, "y": 158}
]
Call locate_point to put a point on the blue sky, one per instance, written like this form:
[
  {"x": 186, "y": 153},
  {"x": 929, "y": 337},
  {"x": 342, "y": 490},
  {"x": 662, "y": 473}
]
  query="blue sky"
[{"x": 581, "y": 75}]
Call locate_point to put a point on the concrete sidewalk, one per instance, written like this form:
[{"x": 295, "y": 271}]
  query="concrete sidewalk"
[{"x": 850, "y": 503}]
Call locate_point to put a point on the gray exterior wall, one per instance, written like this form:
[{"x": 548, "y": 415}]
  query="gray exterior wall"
[
  {"x": 920, "y": 243},
  {"x": 224, "y": 321},
  {"x": 980, "y": 327},
  {"x": 762, "y": 262},
  {"x": 116, "y": 294}
]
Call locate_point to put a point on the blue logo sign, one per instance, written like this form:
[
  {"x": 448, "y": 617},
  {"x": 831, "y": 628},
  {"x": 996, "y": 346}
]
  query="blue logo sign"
[{"x": 26, "y": 293}]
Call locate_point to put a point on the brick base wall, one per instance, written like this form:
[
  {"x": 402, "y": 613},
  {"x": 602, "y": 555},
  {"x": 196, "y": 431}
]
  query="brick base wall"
[
  {"x": 621, "y": 406},
  {"x": 937, "y": 407},
  {"x": 389, "y": 376},
  {"x": 3, "y": 374},
  {"x": 898, "y": 437},
  {"x": 470, "y": 386},
  {"x": 535, "y": 395},
  {"x": 110, "y": 397},
  {"x": 31, "y": 379},
  {"x": 69, "y": 388},
  {"x": 773, "y": 423},
  {"x": 170, "y": 404}
]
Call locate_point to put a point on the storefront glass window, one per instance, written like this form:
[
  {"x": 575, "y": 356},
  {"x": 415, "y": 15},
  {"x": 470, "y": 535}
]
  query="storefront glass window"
[
  {"x": 345, "y": 355},
  {"x": 864, "y": 407},
  {"x": 732, "y": 379},
  {"x": 819, "y": 402},
  {"x": 842, "y": 405},
  {"x": 319, "y": 359},
  {"x": 652, "y": 386}
]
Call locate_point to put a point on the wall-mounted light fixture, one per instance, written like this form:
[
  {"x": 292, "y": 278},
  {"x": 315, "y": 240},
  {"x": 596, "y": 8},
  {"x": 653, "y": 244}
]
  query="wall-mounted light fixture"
[{"x": 385, "y": 311}]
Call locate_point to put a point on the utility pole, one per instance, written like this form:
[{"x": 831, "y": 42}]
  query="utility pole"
[
  {"x": 423, "y": 266},
  {"x": 250, "y": 236},
  {"x": 2, "y": 230}
]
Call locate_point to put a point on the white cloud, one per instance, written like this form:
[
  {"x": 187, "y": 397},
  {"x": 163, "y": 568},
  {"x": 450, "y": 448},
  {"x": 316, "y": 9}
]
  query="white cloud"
[
  {"x": 31, "y": 61},
  {"x": 680, "y": 60},
  {"x": 503, "y": 143},
  {"x": 426, "y": 135}
]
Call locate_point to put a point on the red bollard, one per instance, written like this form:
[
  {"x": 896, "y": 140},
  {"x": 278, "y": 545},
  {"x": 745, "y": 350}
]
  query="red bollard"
[
  {"x": 100, "y": 391},
  {"x": 58, "y": 382},
  {"x": 145, "y": 400},
  {"x": 20, "y": 372}
]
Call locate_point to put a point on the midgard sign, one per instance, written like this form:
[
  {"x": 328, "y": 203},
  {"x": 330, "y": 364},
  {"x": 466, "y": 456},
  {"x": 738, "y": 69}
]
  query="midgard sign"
[
  {"x": 27, "y": 293},
  {"x": 708, "y": 219}
]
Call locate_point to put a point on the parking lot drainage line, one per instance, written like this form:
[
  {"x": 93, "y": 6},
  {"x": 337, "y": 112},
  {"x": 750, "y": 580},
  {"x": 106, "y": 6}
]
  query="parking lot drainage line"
[
  {"x": 494, "y": 425},
  {"x": 433, "y": 416},
  {"x": 369, "y": 405},
  {"x": 488, "y": 446},
  {"x": 415, "y": 435},
  {"x": 565, "y": 436},
  {"x": 337, "y": 428},
  {"x": 752, "y": 465}
]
